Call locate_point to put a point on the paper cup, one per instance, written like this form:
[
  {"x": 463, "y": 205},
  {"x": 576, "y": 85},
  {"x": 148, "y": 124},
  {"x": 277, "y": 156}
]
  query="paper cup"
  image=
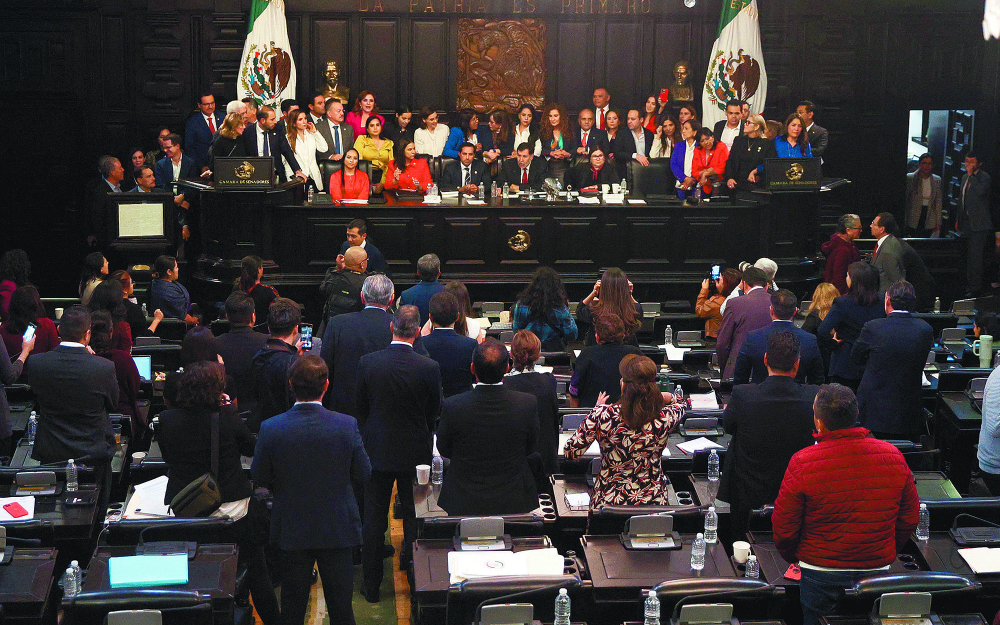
[
  {"x": 423, "y": 474},
  {"x": 138, "y": 456},
  {"x": 741, "y": 551},
  {"x": 59, "y": 312}
]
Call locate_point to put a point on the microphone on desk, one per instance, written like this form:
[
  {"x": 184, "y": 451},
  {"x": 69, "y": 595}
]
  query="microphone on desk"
[
  {"x": 503, "y": 598},
  {"x": 976, "y": 536},
  {"x": 675, "y": 615}
]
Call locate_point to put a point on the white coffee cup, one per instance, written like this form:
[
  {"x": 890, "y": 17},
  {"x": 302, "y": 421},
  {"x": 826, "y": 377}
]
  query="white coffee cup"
[
  {"x": 423, "y": 474},
  {"x": 138, "y": 456},
  {"x": 59, "y": 312},
  {"x": 741, "y": 551}
]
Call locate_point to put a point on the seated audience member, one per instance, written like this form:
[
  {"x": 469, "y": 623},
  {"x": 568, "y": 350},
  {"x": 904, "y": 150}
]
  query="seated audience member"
[
  {"x": 984, "y": 323},
  {"x": 466, "y": 324},
  {"x": 819, "y": 306},
  {"x": 467, "y": 131},
  {"x": 524, "y": 172},
  {"x": 305, "y": 141},
  {"x": 269, "y": 368},
  {"x": 831, "y": 516},
  {"x": 612, "y": 293},
  {"x": 989, "y": 435},
  {"x": 525, "y": 349},
  {"x": 641, "y": 138},
  {"x": 145, "y": 180},
  {"x": 542, "y": 307},
  {"x": 341, "y": 290},
  {"x": 841, "y": 252},
  {"x": 135, "y": 162},
  {"x": 365, "y": 109},
  {"x": 15, "y": 272},
  {"x": 682, "y": 158},
  {"x": 372, "y": 146},
  {"x": 596, "y": 378},
  {"x": 795, "y": 142},
  {"x": 621, "y": 143},
  {"x": 710, "y": 308},
  {"x": 525, "y": 131},
  {"x": 750, "y": 362},
  {"x": 501, "y": 135},
  {"x": 185, "y": 437},
  {"x": 95, "y": 269},
  {"x": 554, "y": 137},
  {"x": 485, "y": 478},
  {"x": 169, "y": 295},
  {"x": 893, "y": 352},
  {"x": 10, "y": 371},
  {"x": 773, "y": 129},
  {"x": 419, "y": 295},
  {"x": 745, "y": 164},
  {"x": 840, "y": 329},
  {"x": 136, "y": 318},
  {"x": 769, "y": 422},
  {"x": 406, "y": 171},
  {"x": 357, "y": 236},
  {"x": 592, "y": 175},
  {"x": 632, "y": 433},
  {"x": 126, "y": 372},
  {"x": 467, "y": 174},
  {"x": 709, "y": 162},
  {"x": 744, "y": 314},
  {"x": 431, "y": 138},
  {"x": 238, "y": 347},
  {"x": 26, "y": 309},
  {"x": 667, "y": 136},
  {"x": 249, "y": 282},
  {"x": 349, "y": 182},
  {"x": 452, "y": 351},
  {"x": 400, "y": 125},
  {"x": 309, "y": 457},
  {"x": 108, "y": 296}
]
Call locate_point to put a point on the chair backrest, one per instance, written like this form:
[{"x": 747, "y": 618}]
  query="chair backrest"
[
  {"x": 958, "y": 379},
  {"x": 751, "y": 598},
  {"x": 438, "y": 165},
  {"x": 172, "y": 329},
  {"x": 654, "y": 179},
  {"x": 189, "y": 607},
  {"x": 917, "y": 581},
  {"x": 328, "y": 167},
  {"x": 944, "y": 511},
  {"x": 201, "y": 530},
  {"x": 464, "y": 598},
  {"x": 513, "y": 524},
  {"x": 558, "y": 169},
  {"x": 554, "y": 359}
]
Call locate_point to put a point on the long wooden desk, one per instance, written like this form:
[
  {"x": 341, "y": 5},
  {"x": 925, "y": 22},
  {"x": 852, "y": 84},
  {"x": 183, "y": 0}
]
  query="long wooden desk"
[{"x": 26, "y": 585}]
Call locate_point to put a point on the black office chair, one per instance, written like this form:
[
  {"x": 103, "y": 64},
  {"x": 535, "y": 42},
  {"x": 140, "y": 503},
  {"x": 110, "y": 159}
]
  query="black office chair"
[
  {"x": 181, "y": 607},
  {"x": 950, "y": 591},
  {"x": 33, "y": 533},
  {"x": 656, "y": 179},
  {"x": 698, "y": 359},
  {"x": 172, "y": 329},
  {"x": 958, "y": 379},
  {"x": 138, "y": 531},
  {"x": 464, "y": 599},
  {"x": 438, "y": 166},
  {"x": 944, "y": 511},
  {"x": 760, "y": 520},
  {"x": 751, "y": 598},
  {"x": 516, "y": 525},
  {"x": 553, "y": 359},
  {"x": 611, "y": 520}
]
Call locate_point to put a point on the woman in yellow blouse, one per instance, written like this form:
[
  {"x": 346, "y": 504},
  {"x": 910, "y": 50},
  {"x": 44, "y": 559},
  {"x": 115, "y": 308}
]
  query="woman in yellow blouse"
[{"x": 372, "y": 146}]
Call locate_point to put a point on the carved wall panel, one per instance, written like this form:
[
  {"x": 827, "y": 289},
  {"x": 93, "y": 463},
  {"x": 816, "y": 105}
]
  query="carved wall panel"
[{"x": 500, "y": 63}]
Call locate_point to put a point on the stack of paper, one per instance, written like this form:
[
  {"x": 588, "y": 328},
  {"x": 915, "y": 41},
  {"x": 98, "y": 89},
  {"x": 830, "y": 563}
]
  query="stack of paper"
[
  {"x": 704, "y": 401},
  {"x": 464, "y": 565},
  {"x": 147, "y": 500},
  {"x": 982, "y": 559},
  {"x": 675, "y": 354},
  {"x": 578, "y": 501},
  {"x": 348, "y": 200},
  {"x": 584, "y": 199},
  {"x": 139, "y": 571},
  {"x": 698, "y": 444}
]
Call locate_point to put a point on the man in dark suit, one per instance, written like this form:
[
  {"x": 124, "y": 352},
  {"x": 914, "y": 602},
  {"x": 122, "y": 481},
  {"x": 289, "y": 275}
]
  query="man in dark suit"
[
  {"x": 339, "y": 136},
  {"x": 261, "y": 139},
  {"x": 732, "y": 126},
  {"x": 200, "y": 129},
  {"x": 486, "y": 478},
  {"x": 750, "y": 362},
  {"x": 171, "y": 168},
  {"x": 819, "y": 138},
  {"x": 888, "y": 255},
  {"x": 452, "y": 351},
  {"x": 309, "y": 457},
  {"x": 642, "y": 139},
  {"x": 588, "y": 137},
  {"x": 974, "y": 220},
  {"x": 398, "y": 403},
  {"x": 419, "y": 295},
  {"x": 238, "y": 347},
  {"x": 269, "y": 367},
  {"x": 76, "y": 390},
  {"x": 349, "y": 337},
  {"x": 96, "y": 205},
  {"x": 893, "y": 351},
  {"x": 466, "y": 174},
  {"x": 357, "y": 235},
  {"x": 918, "y": 275},
  {"x": 524, "y": 172},
  {"x": 744, "y": 314},
  {"x": 769, "y": 422}
]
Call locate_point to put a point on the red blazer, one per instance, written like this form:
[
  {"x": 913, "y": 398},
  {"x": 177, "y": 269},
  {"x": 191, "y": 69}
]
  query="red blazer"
[
  {"x": 46, "y": 338},
  {"x": 356, "y": 187},
  {"x": 416, "y": 169},
  {"x": 716, "y": 161},
  {"x": 839, "y": 256}
]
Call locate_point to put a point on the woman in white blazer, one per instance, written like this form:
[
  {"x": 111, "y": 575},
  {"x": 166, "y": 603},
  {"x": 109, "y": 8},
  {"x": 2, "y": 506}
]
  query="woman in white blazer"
[{"x": 305, "y": 141}]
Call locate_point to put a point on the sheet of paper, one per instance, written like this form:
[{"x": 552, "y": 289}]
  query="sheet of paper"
[
  {"x": 449, "y": 194},
  {"x": 614, "y": 198},
  {"x": 631, "y": 201},
  {"x": 464, "y": 565},
  {"x": 576, "y": 352},
  {"x": 432, "y": 200},
  {"x": 578, "y": 500},
  {"x": 28, "y": 503},
  {"x": 924, "y": 382},
  {"x": 147, "y": 500},
  {"x": 140, "y": 220},
  {"x": 675, "y": 354},
  {"x": 475, "y": 202},
  {"x": 543, "y": 369},
  {"x": 982, "y": 559},
  {"x": 583, "y": 199},
  {"x": 698, "y": 444},
  {"x": 353, "y": 201},
  {"x": 704, "y": 401}
]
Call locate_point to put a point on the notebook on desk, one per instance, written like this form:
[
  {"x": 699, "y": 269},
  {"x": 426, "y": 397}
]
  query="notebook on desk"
[{"x": 142, "y": 571}]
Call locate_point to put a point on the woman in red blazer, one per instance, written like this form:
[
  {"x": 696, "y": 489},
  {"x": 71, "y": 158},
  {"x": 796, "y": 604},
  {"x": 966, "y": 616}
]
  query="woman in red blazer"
[
  {"x": 709, "y": 164},
  {"x": 350, "y": 182},
  {"x": 406, "y": 171}
]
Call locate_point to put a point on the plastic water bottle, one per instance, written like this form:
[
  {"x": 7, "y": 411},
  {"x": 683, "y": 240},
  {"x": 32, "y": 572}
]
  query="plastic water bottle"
[
  {"x": 437, "y": 470},
  {"x": 924, "y": 524},
  {"x": 668, "y": 336},
  {"x": 651, "y": 610},
  {"x": 506, "y": 189},
  {"x": 622, "y": 188},
  {"x": 481, "y": 193},
  {"x": 310, "y": 194},
  {"x": 697, "y": 193},
  {"x": 711, "y": 526},
  {"x": 145, "y": 313},
  {"x": 753, "y": 568},
  {"x": 562, "y": 608},
  {"x": 698, "y": 552},
  {"x": 937, "y": 304},
  {"x": 493, "y": 189},
  {"x": 77, "y": 573},
  {"x": 71, "y": 585},
  {"x": 32, "y": 427},
  {"x": 713, "y": 466},
  {"x": 72, "y": 476}
]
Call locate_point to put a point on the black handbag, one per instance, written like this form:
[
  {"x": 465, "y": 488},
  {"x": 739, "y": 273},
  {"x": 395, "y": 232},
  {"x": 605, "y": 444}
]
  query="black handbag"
[{"x": 202, "y": 496}]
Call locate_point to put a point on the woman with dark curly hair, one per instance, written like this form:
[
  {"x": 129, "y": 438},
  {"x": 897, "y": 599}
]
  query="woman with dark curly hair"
[
  {"x": 543, "y": 308},
  {"x": 26, "y": 308},
  {"x": 612, "y": 293},
  {"x": 555, "y": 137},
  {"x": 251, "y": 271},
  {"x": 101, "y": 326},
  {"x": 632, "y": 433},
  {"x": 185, "y": 438},
  {"x": 467, "y": 130},
  {"x": 15, "y": 271},
  {"x": 109, "y": 297}
]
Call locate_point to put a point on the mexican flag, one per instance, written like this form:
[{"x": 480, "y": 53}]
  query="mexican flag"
[
  {"x": 267, "y": 73},
  {"x": 736, "y": 70}
]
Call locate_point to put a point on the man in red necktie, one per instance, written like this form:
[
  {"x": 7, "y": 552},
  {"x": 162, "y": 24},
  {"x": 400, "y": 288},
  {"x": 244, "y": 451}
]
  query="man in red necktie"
[
  {"x": 524, "y": 171},
  {"x": 602, "y": 100}
]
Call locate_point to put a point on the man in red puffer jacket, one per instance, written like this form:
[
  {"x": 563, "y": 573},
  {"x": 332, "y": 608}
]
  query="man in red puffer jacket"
[
  {"x": 846, "y": 506},
  {"x": 840, "y": 251}
]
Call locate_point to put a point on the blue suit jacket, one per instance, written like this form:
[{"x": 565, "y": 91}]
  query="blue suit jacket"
[
  {"x": 308, "y": 457},
  {"x": 164, "y": 171},
  {"x": 453, "y": 352},
  {"x": 677, "y": 163},
  {"x": 348, "y": 338},
  {"x": 198, "y": 138},
  {"x": 376, "y": 261},
  {"x": 420, "y": 295},
  {"x": 750, "y": 361},
  {"x": 893, "y": 351}
]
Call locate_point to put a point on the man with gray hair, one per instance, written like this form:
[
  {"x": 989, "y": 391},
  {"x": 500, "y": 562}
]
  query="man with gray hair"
[
  {"x": 840, "y": 251},
  {"x": 420, "y": 294},
  {"x": 237, "y": 106},
  {"x": 96, "y": 197}
]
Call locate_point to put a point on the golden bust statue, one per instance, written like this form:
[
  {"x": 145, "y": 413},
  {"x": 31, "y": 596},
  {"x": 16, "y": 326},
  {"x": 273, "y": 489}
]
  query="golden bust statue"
[
  {"x": 333, "y": 88},
  {"x": 681, "y": 90}
]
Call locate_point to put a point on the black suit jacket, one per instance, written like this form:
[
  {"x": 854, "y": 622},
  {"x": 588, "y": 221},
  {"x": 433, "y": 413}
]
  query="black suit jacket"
[
  {"x": 451, "y": 177},
  {"x": 769, "y": 422},
  {"x": 398, "y": 404},
  {"x": 750, "y": 365},
  {"x": 721, "y": 124},
  {"x": 543, "y": 387},
  {"x": 893, "y": 351},
  {"x": 76, "y": 390},
  {"x": 278, "y": 147},
  {"x": 97, "y": 209},
  {"x": 237, "y": 348},
  {"x": 486, "y": 477},
  {"x": 511, "y": 173},
  {"x": 453, "y": 352},
  {"x": 347, "y": 338},
  {"x": 596, "y": 138}
]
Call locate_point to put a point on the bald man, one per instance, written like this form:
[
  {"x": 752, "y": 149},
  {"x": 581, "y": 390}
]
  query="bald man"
[{"x": 342, "y": 288}]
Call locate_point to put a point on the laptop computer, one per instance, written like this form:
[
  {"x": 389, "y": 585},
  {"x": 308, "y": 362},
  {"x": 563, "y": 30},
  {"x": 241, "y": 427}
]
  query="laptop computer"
[{"x": 145, "y": 366}]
